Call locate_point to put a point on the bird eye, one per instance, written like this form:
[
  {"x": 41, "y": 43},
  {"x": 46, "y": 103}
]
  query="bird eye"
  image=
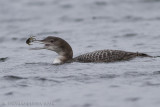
[{"x": 51, "y": 41}]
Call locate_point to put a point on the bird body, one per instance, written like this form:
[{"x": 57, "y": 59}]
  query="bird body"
[
  {"x": 64, "y": 50},
  {"x": 107, "y": 56}
]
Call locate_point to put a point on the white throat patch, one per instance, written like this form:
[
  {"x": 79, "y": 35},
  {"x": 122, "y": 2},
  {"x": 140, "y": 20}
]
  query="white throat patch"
[{"x": 57, "y": 61}]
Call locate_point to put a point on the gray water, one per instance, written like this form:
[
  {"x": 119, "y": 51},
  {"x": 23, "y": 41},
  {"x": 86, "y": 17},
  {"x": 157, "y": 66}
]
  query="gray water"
[{"x": 28, "y": 77}]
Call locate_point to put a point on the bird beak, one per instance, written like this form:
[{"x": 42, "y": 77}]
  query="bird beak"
[{"x": 40, "y": 42}]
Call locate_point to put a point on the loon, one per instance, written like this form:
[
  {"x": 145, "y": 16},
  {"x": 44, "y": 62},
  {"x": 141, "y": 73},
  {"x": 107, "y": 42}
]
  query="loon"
[{"x": 65, "y": 53}]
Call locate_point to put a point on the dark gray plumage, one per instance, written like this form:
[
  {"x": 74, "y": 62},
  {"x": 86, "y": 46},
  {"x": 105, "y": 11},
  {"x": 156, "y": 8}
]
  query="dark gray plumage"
[{"x": 107, "y": 56}]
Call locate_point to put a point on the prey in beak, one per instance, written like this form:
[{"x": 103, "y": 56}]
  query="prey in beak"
[{"x": 32, "y": 39}]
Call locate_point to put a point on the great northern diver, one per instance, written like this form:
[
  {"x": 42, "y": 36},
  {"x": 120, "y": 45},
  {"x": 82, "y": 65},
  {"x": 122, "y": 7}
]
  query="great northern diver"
[{"x": 64, "y": 50}]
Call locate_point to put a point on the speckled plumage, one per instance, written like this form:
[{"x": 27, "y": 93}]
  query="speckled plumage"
[{"x": 107, "y": 56}]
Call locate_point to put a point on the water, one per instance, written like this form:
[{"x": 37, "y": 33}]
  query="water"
[{"x": 28, "y": 77}]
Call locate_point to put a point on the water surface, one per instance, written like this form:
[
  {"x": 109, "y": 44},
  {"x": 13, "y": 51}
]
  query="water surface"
[{"x": 28, "y": 77}]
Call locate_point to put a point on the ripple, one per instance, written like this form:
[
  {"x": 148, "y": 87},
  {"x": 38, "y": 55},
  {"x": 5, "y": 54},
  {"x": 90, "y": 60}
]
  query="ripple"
[
  {"x": 133, "y": 99},
  {"x": 45, "y": 79},
  {"x": 89, "y": 46},
  {"x": 130, "y": 35},
  {"x": 2, "y": 39},
  {"x": 133, "y": 74},
  {"x": 156, "y": 73},
  {"x": 133, "y": 18},
  {"x": 3, "y": 59},
  {"x": 109, "y": 76},
  {"x": 38, "y": 3},
  {"x": 14, "y": 20},
  {"x": 38, "y": 63},
  {"x": 114, "y": 86},
  {"x": 100, "y": 3},
  {"x": 12, "y": 77},
  {"x": 87, "y": 105},
  {"x": 78, "y": 19},
  {"x": 148, "y": 83},
  {"x": 48, "y": 33},
  {"x": 19, "y": 39},
  {"x": 101, "y": 17},
  {"x": 67, "y": 6},
  {"x": 139, "y": 44},
  {"x": 9, "y": 93},
  {"x": 70, "y": 19},
  {"x": 23, "y": 85},
  {"x": 70, "y": 76},
  {"x": 15, "y": 38},
  {"x": 151, "y": 1}
]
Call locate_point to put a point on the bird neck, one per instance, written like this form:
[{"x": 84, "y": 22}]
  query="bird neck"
[{"x": 65, "y": 53}]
